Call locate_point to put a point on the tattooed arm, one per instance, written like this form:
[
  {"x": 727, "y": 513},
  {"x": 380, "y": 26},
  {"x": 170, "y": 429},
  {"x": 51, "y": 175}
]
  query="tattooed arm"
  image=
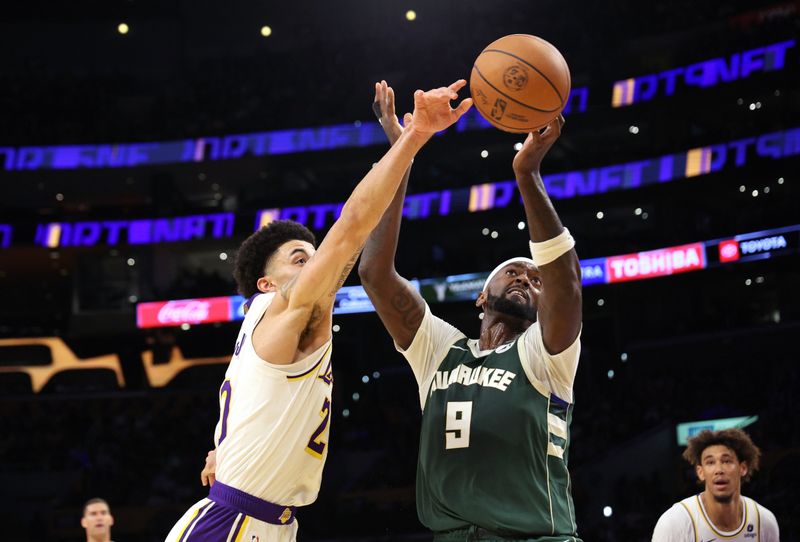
[{"x": 398, "y": 304}]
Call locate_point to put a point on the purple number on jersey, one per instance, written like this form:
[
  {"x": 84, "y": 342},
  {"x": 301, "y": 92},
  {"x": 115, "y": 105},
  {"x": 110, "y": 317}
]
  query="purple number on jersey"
[
  {"x": 225, "y": 404},
  {"x": 316, "y": 445}
]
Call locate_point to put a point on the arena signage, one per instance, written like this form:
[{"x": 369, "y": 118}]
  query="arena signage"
[
  {"x": 501, "y": 194},
  {"x": 277, "y": 142},
  {"x": 702, "y": 74},
  {"x": 134, "y": 232},
  {"x": 465, "y": 287},
  {"x": 5, "y": 235},
  {"x": 758, "y": 245},
  {"x": 185, "y": 311},
  {"x": 593, "y": 271},
  {"x": 689, "y": 429},
  {"x": 626, "y": 92},
  {"x": 656, "y": 263}
]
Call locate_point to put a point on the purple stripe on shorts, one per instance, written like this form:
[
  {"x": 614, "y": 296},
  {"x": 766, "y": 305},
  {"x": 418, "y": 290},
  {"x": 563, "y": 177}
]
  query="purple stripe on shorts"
[
  {"x": 239, "y": 527},
  {"x": 193, "y": 523},
  {"x": 245, "y": 503},
  {"x": 215, "y": 525}
]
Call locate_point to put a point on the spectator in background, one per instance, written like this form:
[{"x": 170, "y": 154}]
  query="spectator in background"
[{"x": 97, "y": 520}]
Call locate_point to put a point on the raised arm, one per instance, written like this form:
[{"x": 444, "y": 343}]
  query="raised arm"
[
  {"x": 399, "y": 305},
  {"x": 327, "y": 269},
  {"x": 559, "y": 307}
]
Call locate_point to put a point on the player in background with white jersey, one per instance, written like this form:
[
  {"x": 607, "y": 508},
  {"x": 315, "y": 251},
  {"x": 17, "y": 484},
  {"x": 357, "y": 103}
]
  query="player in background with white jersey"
[
  {"x": 275, "y": 407},
  {"x": 722, "y": 460}
]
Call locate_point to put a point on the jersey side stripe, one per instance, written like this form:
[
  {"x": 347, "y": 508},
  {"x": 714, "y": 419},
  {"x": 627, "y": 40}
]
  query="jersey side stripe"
[
  {"x": 556, "y": 425},
  {"x": 570, "y": 504},
  {"x": 547, "y": 469},
  {"x": 691, "y": 518}
]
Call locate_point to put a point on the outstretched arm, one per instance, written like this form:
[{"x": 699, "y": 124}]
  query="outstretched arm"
[
  {"x": 326, "y": 270},
  {"x": 559, "y": 307},
  {"x": 399, "y": 305}
]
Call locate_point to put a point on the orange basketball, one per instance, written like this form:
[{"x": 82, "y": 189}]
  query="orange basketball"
[{"x": 520, "y": 83}]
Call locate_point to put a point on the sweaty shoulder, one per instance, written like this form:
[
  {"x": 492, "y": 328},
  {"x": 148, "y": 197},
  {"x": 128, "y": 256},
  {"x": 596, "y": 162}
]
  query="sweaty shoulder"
[{"x": 674, "y": 525}]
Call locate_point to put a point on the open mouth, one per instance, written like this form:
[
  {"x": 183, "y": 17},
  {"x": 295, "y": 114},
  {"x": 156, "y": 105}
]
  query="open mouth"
[
  {"x": 517, "y": 292},
  {"x": 720, "y": 484}
]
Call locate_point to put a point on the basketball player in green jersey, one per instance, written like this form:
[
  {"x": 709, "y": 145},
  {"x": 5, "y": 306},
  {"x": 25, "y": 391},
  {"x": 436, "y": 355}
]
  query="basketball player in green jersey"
[{"x": 496, "y": 411}]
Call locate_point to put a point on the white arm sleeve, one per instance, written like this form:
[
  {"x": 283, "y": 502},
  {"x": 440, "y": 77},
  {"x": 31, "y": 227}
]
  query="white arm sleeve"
[
  {"x": 769, "y": 525},
  {"x": 430, "y": 345},
  {"x": 557, "y": 371},
  {"x": 674, "y": 525}
]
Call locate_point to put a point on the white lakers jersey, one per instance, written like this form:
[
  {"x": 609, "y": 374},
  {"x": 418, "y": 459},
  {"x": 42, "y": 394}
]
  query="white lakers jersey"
[
  {"x": 272, "y": 435},
  {"x": 687, "y": 521}
]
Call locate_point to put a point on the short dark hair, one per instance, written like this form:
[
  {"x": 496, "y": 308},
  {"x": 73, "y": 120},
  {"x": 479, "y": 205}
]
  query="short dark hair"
[
  {"x": 96, "y": 500},
  {"x": 256, "y": 250},
  {"x": 735, "y": 439}
]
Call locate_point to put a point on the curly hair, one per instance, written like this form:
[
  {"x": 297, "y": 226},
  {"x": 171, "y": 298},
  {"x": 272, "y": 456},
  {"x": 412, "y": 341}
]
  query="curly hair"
[
  {"x": 735, "y": 439},
  {"x": 256, "y": 251}
]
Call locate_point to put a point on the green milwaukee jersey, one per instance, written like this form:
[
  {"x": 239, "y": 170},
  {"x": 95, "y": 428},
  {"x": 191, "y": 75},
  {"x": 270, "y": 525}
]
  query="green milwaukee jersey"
[{"x": 495, "y": 434}]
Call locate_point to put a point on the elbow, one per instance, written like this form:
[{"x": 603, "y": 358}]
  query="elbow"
[
  {"x": 375, "y": 276},
  {"x": 368, "y": 272},
  {"x": 365, "y": 271}
]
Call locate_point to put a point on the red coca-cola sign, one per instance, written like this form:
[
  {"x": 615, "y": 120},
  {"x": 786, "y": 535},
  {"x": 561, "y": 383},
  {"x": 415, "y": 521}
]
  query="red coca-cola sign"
[{"x": 183, "y": 311}]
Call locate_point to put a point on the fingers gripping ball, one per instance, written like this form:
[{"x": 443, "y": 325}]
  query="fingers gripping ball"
[{"x": 520, "y": 83}]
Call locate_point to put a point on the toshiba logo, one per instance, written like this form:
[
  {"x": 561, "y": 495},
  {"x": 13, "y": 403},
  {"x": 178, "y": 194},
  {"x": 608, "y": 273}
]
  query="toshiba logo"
[{"x": 656, "y": 263}]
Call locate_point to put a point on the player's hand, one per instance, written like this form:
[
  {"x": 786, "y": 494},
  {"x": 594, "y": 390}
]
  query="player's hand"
[
  {"x": 383, "y": 107},
  {"x": 536, "y": 145},
  {"x": 432, "y": 111},
  {"x": 208, "y": 475}
]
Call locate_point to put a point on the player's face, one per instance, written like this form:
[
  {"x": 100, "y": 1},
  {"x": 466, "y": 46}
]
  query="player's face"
[
  {"x": 722, "y": 472},
  {"x": 515, "y": 291},
  {"x": 97, "y": 519},
  {"x": 288, "y": 260}
]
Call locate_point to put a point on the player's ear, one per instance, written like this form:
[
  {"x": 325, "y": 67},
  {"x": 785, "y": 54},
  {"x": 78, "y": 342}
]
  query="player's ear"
[
  {"x": 83, "y": 523},
  {"x": 265, "y": 284},
  {"x": 698, "y": 469},
  {"x": 481, "y": 300},
  {"x": 743, "y": 469},
  {"x": 111, "y": 519}
]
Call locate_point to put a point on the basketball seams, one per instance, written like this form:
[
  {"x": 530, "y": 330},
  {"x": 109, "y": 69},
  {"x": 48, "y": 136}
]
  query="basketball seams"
[
  {"x": 512, "y": 129},
  {"x": 537, "y": 70},
  {"x": 475, "y": 67}
]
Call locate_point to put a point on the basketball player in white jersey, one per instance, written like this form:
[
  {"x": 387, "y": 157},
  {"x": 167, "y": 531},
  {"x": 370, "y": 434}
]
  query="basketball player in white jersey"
[
  {"x": 722, "y": 461},
  {"x": 275, "y": 402}
]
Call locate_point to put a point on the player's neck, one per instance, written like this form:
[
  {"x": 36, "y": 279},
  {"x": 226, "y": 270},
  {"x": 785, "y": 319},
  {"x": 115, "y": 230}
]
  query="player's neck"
[
  {"x": 498, "y": 331},
  {"x": 726, "y": 516}
]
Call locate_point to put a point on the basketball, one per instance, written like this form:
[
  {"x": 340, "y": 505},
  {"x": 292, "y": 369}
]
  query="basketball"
[{"x": 520, "y": 83}]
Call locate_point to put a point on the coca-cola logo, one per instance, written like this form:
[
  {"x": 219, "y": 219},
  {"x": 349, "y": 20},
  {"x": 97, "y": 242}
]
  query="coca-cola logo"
[{"x": 178, "y": 312}]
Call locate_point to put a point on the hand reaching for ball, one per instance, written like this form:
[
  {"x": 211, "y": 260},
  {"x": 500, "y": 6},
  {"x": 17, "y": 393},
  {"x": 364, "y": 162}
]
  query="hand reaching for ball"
[
  {"x": 529, "y": 158},
  {"x": 432, "y": 111}
]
